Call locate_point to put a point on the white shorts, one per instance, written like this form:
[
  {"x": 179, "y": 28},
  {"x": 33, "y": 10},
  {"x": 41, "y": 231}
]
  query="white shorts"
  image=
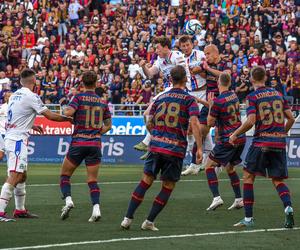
[
  {"x": 17, "y": 155},
  {"x": 199, "y": 94}
]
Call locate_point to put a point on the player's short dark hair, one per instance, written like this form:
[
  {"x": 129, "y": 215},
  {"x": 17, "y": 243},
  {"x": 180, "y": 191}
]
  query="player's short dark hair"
[
  {"x": 258, "y": 74},
  {"x": 163, "y": 41},
  {"x": 89, "y": 78},
  {"x": 178, "y": 74},
  {"x": 184, "y": 39},
  {"x": 225, "y": 79},
  {"x": 27, "y": 73}
]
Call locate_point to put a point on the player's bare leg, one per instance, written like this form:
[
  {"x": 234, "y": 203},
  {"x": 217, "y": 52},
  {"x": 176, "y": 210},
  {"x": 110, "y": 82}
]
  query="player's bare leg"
[
  {"x": 67, "y": 171},
  {"x": 137, "y": 198},
  {"x": 143, "y": 145},
  {"x": 213, "y": 184},
  {"x": 284, "y": 194},
  {"x": 92, "y": 179},
  {"x": 7, "y": 192},
  {"x": 194, "y": 168},
  {"x": 248, "y": 180},
  {"x": 159, "y": 203},
  {"x": 235, "y": 183}
]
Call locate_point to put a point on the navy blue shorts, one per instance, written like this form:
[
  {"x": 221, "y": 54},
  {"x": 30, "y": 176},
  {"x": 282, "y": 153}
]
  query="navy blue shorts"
[
  {"x": 224, "y": 154},
  {"x": 91, "y": 155},
  {"x": 270, "y": 162},
  {"x": 169, "y": 167},
  {"x": 203, "y": 115}
]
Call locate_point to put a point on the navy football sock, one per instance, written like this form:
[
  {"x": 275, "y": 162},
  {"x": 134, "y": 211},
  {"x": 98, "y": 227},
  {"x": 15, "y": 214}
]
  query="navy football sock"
[
  {"x": 235, "y": 183},
  {"x": 65, "y": 186},
  {"x": 136, "y": 198},
  {"x": 94, "y": 192},
  {"x": 212, "y": 181},
  {"x": 194, "y": 153},
  {"x": 248, "y": 199},
  {"x": 159, "y": 203},
  {"x": 284, "y": 194}
]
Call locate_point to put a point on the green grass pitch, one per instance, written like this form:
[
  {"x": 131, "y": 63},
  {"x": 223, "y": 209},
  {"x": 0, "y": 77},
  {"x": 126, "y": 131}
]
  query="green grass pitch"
[{"x": 184, "y": 214}]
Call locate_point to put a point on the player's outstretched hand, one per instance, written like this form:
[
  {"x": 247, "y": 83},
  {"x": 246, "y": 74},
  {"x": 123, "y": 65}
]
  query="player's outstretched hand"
[
  {"x": 210, "y": 98},
  {"x": 232, "y": 139},
  {"x": 38, "y": 129},
  {"x": 204, "y": 64},
  {"x": 199, "y": 156}
]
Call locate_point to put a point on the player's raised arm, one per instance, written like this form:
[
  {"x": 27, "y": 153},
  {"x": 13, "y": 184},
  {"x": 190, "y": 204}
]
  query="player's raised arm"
[
  {"x": 213, "y": 112},
  {"x": 149, "y": 71}
]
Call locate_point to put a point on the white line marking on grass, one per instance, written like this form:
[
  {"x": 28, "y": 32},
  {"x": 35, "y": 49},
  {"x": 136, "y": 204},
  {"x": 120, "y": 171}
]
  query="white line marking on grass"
[
  {"x": 150, "y": 238},
  {"x": 135, "y": 182}
]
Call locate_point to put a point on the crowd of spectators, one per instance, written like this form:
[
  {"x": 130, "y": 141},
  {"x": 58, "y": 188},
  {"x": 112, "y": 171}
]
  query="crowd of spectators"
[{"x": 62, "y": 39}]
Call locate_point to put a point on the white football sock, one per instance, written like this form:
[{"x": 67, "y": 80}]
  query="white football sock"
[
  {"x": 147, "y": 139},
  {"x": 20, "y": 196},
  {"x": 5, "y": 196},
  {"x": 68, "y": 200},
  {"x": 208, "y": 143},
  {"x": 190, "y": 140}
]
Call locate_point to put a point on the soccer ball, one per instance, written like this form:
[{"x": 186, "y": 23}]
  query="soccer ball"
[{"x": 192, "y": 27}]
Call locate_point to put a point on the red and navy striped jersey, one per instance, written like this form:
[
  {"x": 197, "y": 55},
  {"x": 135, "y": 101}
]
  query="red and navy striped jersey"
[
  {"x": 170, "y": 113},
  {"x": 88, "y": 118},
  {"x": 268, "y": 105},
  {"x": 212, "y": 80},
  {"x": 226, "y": 110}
]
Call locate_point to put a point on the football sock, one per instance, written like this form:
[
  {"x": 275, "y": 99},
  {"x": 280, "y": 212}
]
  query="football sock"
[
  {"x": 284, "y": 194},
  {"x": 159, "y": 203},
  {"x": 65, "y": 186},
  {"x": 248, "y": 199},
  {"x": 191, "y": 141},
  {"x": 5, "y": 196},
  {"x": 208, "y": 143},
  {"x": 137, "y": 198},
  {"x": 235, "y": 183},
  {"x": 20, "y": 195},
  {"x": 94, "y": 192},
  {"x": 212, "y": 181},
  {"x": 147, "y": 139}
]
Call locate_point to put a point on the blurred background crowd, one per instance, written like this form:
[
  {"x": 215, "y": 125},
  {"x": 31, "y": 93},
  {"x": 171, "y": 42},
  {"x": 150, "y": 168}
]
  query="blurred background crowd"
[{"x": 62, "y": 39}]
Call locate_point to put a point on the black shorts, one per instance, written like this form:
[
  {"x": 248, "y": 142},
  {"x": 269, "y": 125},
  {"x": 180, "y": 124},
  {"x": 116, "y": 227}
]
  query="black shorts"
[
  {"x": 224, "y": 154},
  {"x": 169, "y": 167},
  {"x": 270, "y": 162},
  {"x": 91, "y": 155},
  {"x": 203, "y": 115}
]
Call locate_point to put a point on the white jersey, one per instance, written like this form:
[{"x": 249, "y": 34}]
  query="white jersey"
[
  {"x": 165, "y": 65},
  {"x": 3, "y": 116},
  {"x": 193, "y": 60},
  {"x": 23, "y": 106}
]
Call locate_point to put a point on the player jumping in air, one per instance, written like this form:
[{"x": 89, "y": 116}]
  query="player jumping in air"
[
  {"x": 194, "y": 59},
  {"x": 23, "y": 106},
  {"x": 92, "y": 119},
  {"x": 168, "y": 123},
  {"x": 267, "y": 110},
  {"x": 224, "y": 112},
  {"x": 166, "y": 61}
]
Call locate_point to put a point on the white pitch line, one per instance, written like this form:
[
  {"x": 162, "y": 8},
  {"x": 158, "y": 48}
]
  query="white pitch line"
[
  {"x": 150, "y": 238},
  {"x": 135, "y": 182}
]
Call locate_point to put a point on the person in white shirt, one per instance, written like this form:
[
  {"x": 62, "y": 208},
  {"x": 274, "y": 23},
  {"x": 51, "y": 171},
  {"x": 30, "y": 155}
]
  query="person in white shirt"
[
  {"x": 34, "y": 57},
  {"x": 3, "y": 116},
  {"x": 194, "y": 59},
  {"x": 166, "y": 61},
  {"x": 134, "y": 68},
  {"x": 23, "y": 106}
]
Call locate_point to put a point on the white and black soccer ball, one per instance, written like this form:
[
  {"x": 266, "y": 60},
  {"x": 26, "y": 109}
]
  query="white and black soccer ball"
[{"x": 193, "y": 27}]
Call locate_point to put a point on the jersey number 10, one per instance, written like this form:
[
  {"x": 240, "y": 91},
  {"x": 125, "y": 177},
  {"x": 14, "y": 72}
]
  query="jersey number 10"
[{"x": 92, "y": 119}]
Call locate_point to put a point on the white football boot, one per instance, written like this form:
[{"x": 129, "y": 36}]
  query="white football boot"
[{"x": 217, "y": 202}]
